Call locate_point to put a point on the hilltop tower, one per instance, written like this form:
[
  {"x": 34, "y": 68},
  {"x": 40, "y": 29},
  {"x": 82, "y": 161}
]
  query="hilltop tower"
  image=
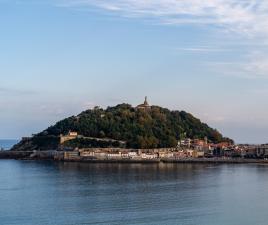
[{"x": 145, "y": 105}]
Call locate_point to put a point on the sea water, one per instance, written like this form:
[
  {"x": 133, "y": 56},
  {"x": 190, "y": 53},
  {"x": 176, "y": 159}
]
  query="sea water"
[
  {"x": 38, "y": 192},
  {"x": 7, "y": 143}
]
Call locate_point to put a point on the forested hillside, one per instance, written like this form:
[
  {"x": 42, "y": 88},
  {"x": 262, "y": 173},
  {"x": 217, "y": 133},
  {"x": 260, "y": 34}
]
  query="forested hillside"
[{"x": 154, "y": 128}]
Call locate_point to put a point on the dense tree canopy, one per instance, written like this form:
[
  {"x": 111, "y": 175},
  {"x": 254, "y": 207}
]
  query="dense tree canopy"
[{"x": 154, "y": 128}]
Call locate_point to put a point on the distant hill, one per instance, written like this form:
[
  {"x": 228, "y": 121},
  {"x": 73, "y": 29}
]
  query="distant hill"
[{"x": 140, "y": 127}]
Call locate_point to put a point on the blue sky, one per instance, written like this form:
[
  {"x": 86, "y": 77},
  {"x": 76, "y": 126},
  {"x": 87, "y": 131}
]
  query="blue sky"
[{"x": 209, "y": 58}]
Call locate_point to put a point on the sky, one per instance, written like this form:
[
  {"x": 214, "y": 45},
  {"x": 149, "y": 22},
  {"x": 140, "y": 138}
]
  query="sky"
[{"x": 207, "y": 57}]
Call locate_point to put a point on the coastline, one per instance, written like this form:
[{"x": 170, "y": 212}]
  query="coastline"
[
  {"x": 7, "y": 154},
  {"x": 27, "y": 155},
  {"x": 215, "y": 160}
]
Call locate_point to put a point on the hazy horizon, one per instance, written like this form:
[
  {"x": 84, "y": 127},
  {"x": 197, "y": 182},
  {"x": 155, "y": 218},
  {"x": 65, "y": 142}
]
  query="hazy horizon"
[{"x": 209, "y": 58}]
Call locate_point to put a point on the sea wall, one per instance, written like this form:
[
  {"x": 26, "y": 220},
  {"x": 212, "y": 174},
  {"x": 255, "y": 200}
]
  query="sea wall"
[
  {"x": 15, "y": 154},
  {"x": 213, "y": 160},
  {"x": 60, "y": 156}
]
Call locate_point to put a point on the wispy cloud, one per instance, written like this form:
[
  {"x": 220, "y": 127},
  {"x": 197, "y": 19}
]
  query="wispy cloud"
[
  {"x": 244, "y": 19},
  {"x": 201, "y": 49},
  {"x": 241, "y": 16},
  {"x": 252, "y": 66}
]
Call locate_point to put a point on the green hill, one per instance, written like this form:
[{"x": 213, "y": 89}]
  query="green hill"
[{"x": 152, "y": 127}]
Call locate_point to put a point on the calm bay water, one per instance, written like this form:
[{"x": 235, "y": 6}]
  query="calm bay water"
[
  {"x": 35, "y": 193},
  {"x": 7, "y": 144}
]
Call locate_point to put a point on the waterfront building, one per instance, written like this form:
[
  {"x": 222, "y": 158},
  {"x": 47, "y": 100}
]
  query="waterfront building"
[
  {"x": 71, "y": 155},
  {"x": 133, "y": 155},
  {"x": 165, "y": 154},
  {"x": 125, "y": 155},
  {"x": 100, "y": 155},
  {"x": 262, "y": 151},
  {"x": 218, "y": 152},
  {"x": 229, "y": 152},
  {"x": 189, "y": 153},
  {"x": 149, "y": 156},
  {"x": 87, "y": 153},
  {"x": 114, "y": 155},
  {"x": 198, "y": 142},
  {"x": 186, "y": 142},
  {"x": 250, "y": 151},
  {"x": 179, "y": 154},
  {"x": 199, "y": 154}
]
